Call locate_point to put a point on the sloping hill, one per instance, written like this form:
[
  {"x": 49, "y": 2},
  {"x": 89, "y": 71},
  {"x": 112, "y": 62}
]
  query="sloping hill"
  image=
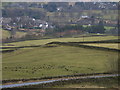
[{"x": 7, "y": 34}]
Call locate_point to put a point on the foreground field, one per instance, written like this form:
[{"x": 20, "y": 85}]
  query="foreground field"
[
  {"x": 53, "y": 61},
  {"x": 45, "y": 41}
]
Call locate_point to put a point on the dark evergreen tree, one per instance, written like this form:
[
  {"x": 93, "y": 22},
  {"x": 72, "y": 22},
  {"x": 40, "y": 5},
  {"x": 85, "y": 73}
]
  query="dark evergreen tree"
[{"x": 100, "y": 27}]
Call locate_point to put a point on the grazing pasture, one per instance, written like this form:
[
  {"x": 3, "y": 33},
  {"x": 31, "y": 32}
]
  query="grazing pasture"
[{"x": 53, "y": 61}]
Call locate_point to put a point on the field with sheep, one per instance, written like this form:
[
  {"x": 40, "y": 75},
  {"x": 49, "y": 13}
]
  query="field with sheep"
[
  {"x": 57, "y": 60},
  {"x": 25, "y": 61}
]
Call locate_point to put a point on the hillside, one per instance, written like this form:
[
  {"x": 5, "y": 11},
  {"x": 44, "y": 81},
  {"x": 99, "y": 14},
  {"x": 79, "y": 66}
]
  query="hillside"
[
  {"x": 49, "y": 19},
  {"x": 52, "y": 11},
  {"x": 7, "y": 34}
]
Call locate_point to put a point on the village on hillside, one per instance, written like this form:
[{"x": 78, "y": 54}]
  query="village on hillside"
[
  {"x": 60, "y": 45},
  {"x": 44, "y": 19}
]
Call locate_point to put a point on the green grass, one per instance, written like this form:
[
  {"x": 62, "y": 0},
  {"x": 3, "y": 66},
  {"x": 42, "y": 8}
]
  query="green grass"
[
  {"x": 108, "y": 28},
  {"x": 53, "y": 61},
  {"x": 5, "y": 49},
  {"x": 106, "y": 45},
  {"x": 7, "y": 46},
  {"x": 45, "y": 41},
  {"x": 7, "y": 34}
]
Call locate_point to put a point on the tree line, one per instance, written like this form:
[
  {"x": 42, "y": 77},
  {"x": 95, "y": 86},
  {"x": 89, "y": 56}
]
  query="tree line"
[{"x": 90, "y": 29}]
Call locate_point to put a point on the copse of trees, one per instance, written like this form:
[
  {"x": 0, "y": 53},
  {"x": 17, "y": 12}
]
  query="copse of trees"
[
  {"x": 19, "y": 12},
  {"x": 91, "y": 29},
  {"x": 96, "y": 28},
  {"x": 50, "y": 7},
  {"x": 68, "y": 27}
]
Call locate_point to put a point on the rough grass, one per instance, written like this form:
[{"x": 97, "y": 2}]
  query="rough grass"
[
  {"x": 53, "y": 61},
  {"x": 45, "y": 41},
  {"x": 20, "y": 34},
  {"x": 91, "y": 83}
]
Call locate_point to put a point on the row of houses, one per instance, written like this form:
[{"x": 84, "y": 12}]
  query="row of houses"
[
  {"x": 25, "y": 22},
  {"x": 91, "y": 20}
]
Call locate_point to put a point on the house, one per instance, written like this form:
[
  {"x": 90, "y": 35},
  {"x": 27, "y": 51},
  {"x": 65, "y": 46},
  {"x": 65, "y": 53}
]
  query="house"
[
  {"x": 41, "y": 24},
  {"x": 84, "y": 17},
  {"x": 6, "y": 21}
]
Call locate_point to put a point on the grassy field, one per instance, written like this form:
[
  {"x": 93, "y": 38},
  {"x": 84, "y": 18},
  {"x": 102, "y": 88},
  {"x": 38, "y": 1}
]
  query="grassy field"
[
  {"x": 7, "y": 34},
  {"x": 52, "y": 61},
  {"x": 45, "y": 41},
  {"x": 106, "y": 27},
  {"x": 106, "y": 45}
]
